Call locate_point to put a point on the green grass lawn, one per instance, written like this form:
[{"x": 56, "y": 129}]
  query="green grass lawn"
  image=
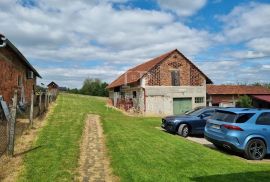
[{"x": 138, "y": 150}]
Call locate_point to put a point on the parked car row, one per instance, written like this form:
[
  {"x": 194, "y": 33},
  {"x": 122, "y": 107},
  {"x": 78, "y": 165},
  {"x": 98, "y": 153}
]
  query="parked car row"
[{"x": 242, "y": 130}]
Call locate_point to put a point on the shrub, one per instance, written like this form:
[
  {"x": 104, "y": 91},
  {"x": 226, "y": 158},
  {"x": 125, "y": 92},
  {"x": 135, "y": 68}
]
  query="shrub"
[{"x": 244, "y": 101}]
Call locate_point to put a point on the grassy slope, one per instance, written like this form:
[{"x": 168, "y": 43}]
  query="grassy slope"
[{"x": 139, "y": 151}]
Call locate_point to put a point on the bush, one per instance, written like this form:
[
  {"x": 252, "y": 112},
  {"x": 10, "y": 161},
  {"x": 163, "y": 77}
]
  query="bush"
[
  {"x": 244, "y": 101},
  {"x": 94, "y": 87}
]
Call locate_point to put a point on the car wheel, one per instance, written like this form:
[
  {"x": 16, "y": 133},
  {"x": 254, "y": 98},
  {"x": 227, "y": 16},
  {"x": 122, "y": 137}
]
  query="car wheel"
[
  {"x": 255, "y": 149},
  {"x": 183, "y": 130},
  {"x": 219, "y": 147}
]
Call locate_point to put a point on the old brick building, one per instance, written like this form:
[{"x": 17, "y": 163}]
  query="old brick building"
[
  {"x": 228, "y": 95},
  {"x": 16, "y": 73},
  {"x": 168, "y": 84}
]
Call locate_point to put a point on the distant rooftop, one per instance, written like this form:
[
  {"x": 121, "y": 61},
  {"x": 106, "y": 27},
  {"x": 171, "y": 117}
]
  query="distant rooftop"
[{"x": 236, "y": 90}]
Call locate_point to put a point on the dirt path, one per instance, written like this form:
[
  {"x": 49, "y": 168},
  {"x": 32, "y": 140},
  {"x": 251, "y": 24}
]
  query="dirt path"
[{"x": 94, "y": 164}]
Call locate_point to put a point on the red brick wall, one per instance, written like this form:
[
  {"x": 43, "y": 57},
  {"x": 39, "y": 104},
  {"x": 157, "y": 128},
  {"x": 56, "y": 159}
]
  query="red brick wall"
[
  {"x": 11, "y": 68},
  {"x": 161, "y": 74},
  {"x": 216, "y": 99}
]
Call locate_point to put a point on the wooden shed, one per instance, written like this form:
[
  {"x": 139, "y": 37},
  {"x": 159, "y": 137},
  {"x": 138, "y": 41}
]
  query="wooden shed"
[{"x": 53, "y": 88}]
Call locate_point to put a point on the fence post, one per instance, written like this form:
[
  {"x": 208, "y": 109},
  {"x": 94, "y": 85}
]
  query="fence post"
[
  {"x": 47, "y": 98},
  {"x": 32, "y": 109},
  {"x": 40, "y": 97},
  {"x": 12, "y": 125},
  {"x": 45, "y": 102}
]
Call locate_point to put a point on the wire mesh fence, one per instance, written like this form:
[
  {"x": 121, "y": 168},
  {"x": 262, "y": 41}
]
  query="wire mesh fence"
[
  {"x": 3, "y": 133},
  {"x": 24, "y": 116}
]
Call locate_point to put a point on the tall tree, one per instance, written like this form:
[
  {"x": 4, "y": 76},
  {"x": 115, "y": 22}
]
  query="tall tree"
[{"x": 94, "y": 87}]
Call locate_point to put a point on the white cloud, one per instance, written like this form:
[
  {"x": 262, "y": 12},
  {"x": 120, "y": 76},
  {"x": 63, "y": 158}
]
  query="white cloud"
[
  {"x": 260, "y": 44},
  {"x": 237, "y": 71},
  {"x": 182, "y": 7},
  {"x": 266, "y": 67},
  {"x": 78, "y": 32},
  {"x": 82, "y": 31},
  {"x": 247, "y": 28},
  {"x": 74, "y": 77},
  {"x": 246, "y": 54},
  {"x": 247, "y": 22}
]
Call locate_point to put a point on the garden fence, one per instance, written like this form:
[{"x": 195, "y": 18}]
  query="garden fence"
[
  {"x": 21, "y": 118},
  {"x": 3, "y": 132}
]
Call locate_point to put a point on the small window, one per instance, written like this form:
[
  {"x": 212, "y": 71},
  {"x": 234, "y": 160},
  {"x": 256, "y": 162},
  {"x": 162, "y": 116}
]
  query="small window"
[
  {"x": 175, "y": 78},
  {"x": 264, "y": 119},
  {"x": 244, "y": 117},
  {"x": 199, "y": 99},
  {"x": 134, "y": 94}
]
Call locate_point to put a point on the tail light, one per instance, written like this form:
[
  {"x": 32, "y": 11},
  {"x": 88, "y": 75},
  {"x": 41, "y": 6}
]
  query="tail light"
[{"x": 232, "y": 127}]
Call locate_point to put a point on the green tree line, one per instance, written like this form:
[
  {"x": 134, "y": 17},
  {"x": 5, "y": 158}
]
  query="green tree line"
[{"x": 94, "y": 87}]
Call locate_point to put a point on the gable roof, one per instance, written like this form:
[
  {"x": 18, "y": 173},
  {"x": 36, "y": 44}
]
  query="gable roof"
[
  {"x": 265, "y": 98},
  {"x": 136, "y": 73},
  {"x": 52, "y": 84},
  {"x": 236, "y": 90},
  {"x": 20, "y": 55}
]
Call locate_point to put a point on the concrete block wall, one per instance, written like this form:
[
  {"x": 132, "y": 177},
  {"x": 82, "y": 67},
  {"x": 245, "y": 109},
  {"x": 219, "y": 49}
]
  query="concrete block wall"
[{"x": 159, "y": 99}]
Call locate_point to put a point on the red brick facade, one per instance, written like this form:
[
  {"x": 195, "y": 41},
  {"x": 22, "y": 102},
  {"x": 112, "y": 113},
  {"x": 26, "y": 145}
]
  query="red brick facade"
[
  {"x": 161, "y": 74},
  {"x": 13, "y": 69},
  {"x": 217, "y": 99}
]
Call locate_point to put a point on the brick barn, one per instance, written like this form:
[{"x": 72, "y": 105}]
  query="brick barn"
[
  {"x": 16, "y": 73},
  {"x": 228, "y": 95},
  {"x": 168, "y": 84}
]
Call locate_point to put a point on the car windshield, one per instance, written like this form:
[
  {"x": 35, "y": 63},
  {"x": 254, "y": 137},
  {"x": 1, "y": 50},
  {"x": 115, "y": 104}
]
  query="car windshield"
[
  {"x": 195, "y": 112},
  {"x": 224, "y": 116}
]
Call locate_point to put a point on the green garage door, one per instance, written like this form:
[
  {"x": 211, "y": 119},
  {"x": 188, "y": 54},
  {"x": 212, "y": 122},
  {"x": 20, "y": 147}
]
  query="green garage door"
[{"x": 181, "y": 105}]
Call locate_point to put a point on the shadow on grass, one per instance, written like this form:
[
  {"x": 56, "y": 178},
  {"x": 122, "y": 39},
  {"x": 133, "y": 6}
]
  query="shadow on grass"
[
  {"x": 239, "y": 155},
  {"x": 26, "y": 151},
  {"x": 245, "y": 176},
  {"x": 221, "y": 149}
]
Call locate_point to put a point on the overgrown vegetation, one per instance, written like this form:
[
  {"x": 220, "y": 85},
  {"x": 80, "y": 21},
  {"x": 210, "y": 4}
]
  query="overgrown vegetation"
[
  {"x": 244, "y": 101},
  {"x": 263, "y": 84},
  {"x": 138, "y": 149},
  {"x": 93, "y": 87}
]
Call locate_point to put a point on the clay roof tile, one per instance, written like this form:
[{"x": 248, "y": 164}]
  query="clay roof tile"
[{"x": 136, "y": 73}]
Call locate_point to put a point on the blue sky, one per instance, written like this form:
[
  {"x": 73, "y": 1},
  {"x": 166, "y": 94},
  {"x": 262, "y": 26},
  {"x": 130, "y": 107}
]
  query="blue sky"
[{"x": 68, "y": 41}]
